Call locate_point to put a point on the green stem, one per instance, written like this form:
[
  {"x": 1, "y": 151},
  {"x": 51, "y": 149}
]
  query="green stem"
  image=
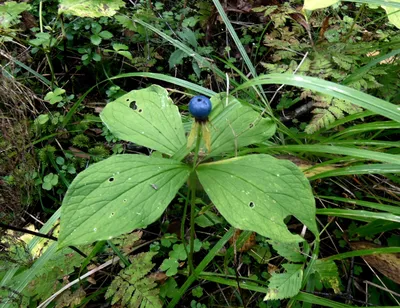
[
  {"x": 197, "y": 148},
  {"x": 192, "y": 216},
  {"x": 41, "y": 16},
  {"x": 192, "y": 184},
  {"x": 119, "y": 254},
  {"x": 203, "y": 264},
  {"x": 183, "y": 222},
  {"x": 354, "y": 23}
]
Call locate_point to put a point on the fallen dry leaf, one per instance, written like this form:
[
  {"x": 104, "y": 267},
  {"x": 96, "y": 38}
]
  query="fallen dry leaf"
[{"x": 387, "y": 264}]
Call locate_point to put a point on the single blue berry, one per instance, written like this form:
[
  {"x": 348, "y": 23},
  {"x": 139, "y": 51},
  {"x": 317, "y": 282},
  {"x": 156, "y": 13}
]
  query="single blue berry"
[{"x": 200, "y": 107}]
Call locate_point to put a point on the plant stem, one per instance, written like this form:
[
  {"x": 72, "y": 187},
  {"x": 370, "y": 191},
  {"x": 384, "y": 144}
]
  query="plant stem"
[
  {"x": 197, "y": 148},
  {"x": 203, "y": 264},
  {"x": 192, "y": 185},
  {"x": 360, "y": 11},
  {"x": 183, "y": 222},
  {"x": 192, "y": 215}
]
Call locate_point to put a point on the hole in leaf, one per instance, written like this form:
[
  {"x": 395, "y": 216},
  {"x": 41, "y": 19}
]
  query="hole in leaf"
[
  {"x": 124, "y": 200},
  {"x": 140, "y": 110},
  {"x": 133, "y": 105},
  {"x": 111, "y": 179},
  {"x": 251, "y": 125},
  {"x": 112, "y": 214},
  {"x": 252, "y": 204}
]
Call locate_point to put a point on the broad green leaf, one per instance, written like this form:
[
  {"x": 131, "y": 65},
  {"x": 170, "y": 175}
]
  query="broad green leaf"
[
  {"x": 394, "y": 17},
  {"x": 234, "y": 125},
  {"x": 176, "y": 58},
  {"x": 257, "y": 192},
  {"x": 90, "y": 8},
  {"x": 10, "y": 12},
  {"x": 290, "y": 251},
  {"x": 285, "y": 285},
  {"x": 147, "y": 117},
  {"x": 118, "y": 195},
  {"x": 318, "y": 4}
]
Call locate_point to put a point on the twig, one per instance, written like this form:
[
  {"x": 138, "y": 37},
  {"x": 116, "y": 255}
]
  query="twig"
[
  {"x": 50, "y": 299},
  {"x": 49, "y": 237},
  {"x": 280, "y": 88}
]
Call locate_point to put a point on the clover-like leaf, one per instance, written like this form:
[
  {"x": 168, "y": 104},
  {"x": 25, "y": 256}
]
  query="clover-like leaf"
[
  {"x": 147, "y": 117},
  {"x": 55, "y": 96},
  {"x": 118, "y": 195},
  {"x": 170, "y": 265},
  {"x": 234, "y": 125},
  {"x": 95, "y": 39},
  {"x": 257, "y": 192}
]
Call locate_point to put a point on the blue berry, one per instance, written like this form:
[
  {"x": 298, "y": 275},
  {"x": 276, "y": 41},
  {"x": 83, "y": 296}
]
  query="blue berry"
[{"x": 200, "y": 107}]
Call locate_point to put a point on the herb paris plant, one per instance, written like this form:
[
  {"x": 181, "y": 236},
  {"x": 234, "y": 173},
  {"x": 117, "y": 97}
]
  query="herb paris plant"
[{"x": 117, "y": 195}]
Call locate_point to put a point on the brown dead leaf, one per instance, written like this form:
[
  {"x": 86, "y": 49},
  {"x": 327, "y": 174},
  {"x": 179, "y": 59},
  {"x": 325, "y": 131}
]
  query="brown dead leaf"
[
  {"x": 387, "y": 264},
  {"x": 324, "y": 27},
  {"x": 272, "y": 268},
  {"x": 159, "y": 277},
  {"x": 78, "y": 153},
  {"x": 251, "y": 241},
  {"x": 70, "y": 299}
]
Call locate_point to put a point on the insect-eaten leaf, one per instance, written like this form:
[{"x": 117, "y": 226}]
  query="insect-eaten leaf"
[
  {"x": 117, "y": 195},
  {"x": 257, "y": 192},
  {"x": 146, "y": 117}
]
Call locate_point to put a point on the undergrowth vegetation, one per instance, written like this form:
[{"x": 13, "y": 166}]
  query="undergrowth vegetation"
[{"x": 286, "y": 195}]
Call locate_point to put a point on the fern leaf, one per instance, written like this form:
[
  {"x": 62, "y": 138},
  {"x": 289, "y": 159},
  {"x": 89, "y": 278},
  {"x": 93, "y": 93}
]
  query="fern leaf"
[
  {"x": 330, "y": 111},
  {"x": 133, "y": 287}
]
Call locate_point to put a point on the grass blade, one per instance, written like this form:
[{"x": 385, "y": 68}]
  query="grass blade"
[
  {"x": 235, "y": 38},
  {"x": 356, "y": 97},
  {"x": 317, "y": 148},
  {"x": 316, "y": 300},
  {"x": 378, "y": 206},
  {"x": 173, "y": 80},
  {"x": 363, "y": 252},
  {"x": 361, "y": 169},
  {"x": 207, "y": 259},
  {"x": 358, "y": 215}
]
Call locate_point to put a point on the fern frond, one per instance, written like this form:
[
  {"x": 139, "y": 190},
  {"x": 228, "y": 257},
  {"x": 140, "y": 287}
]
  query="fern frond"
[
  {"x": 329, "y": 111},
  {"x": 133, "y": 287}
]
